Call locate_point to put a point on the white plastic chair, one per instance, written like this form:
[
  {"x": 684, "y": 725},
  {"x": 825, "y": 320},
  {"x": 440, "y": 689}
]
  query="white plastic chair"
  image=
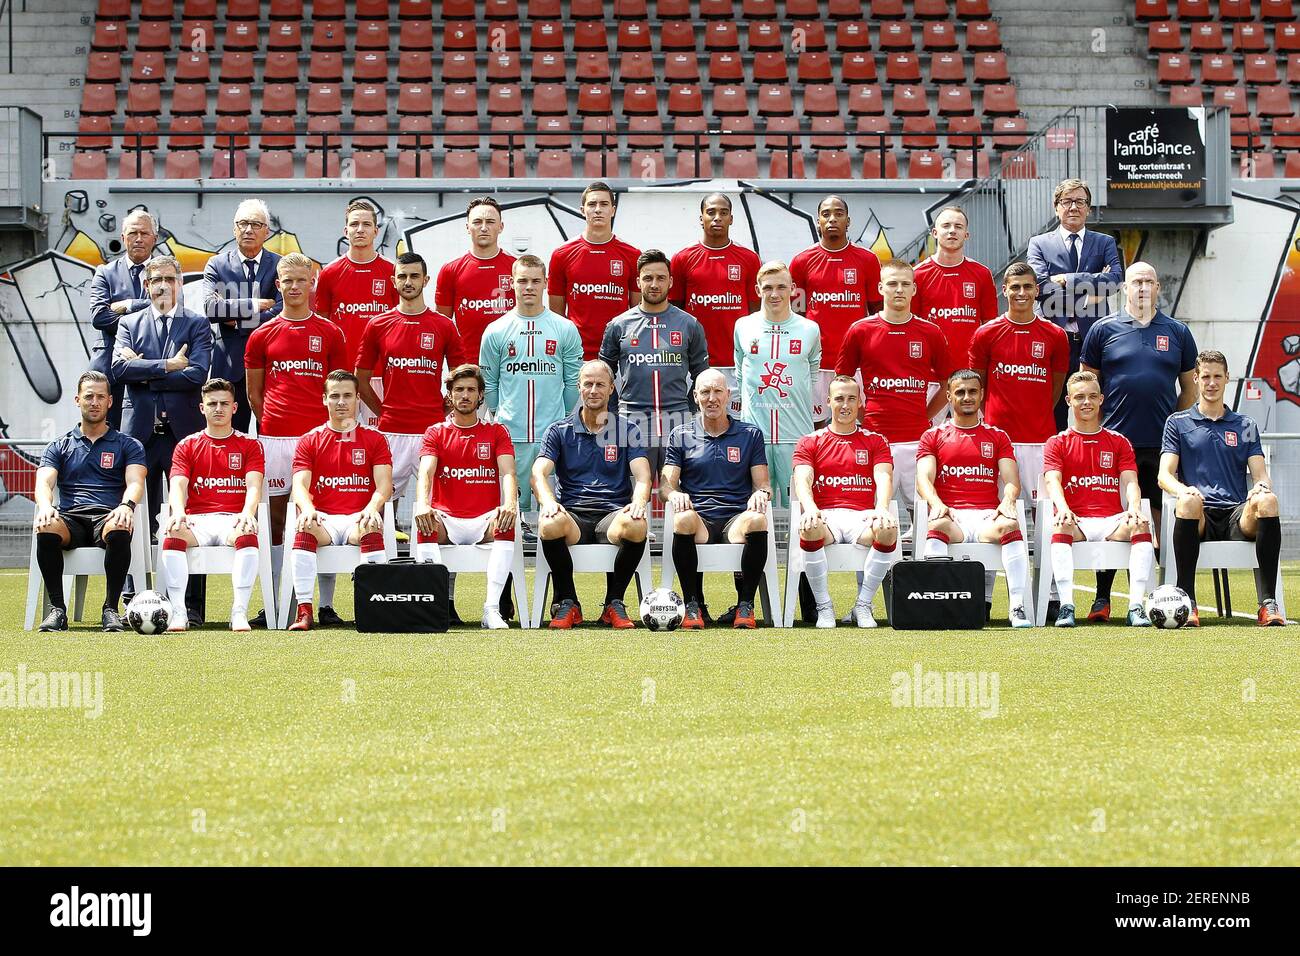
[
  {"x": 80, "y": 564},
  {"x": 220, "y": 559},
  {"x": 839, "y": 557},
  {"x": 1088, "y": 555},
  {"x": 990, "y": 555},
  {"x": 586, "y": 558},
  {"x": 461, "y": 558},
  {"x": 726, "y": 557},
  {"x": 330, "y": 559},
  {"x": 1217, "y": 556}
]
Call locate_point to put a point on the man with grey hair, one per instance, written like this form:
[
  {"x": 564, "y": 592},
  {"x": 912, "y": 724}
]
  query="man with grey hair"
[
  {"x": 239, "y": 295},
  {"x": 116, "y": 290}
]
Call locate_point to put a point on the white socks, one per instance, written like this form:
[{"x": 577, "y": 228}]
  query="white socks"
[
  {"x": 1015, "y": 559},
  {"x": 304, "y": 574},
  {"x": 176, "y": 569},
  {"x": 497, "y": 571},
  {"x": 1142, "y": 555},
  {"x": 242, "y": 576},
  {"x": 935, "y": 548},
  {"x": 815, "y": 569},
  {"x": 428, "y": 552},
  {"x": 1063, "y": 568},
  {"x": 873, "y": 572},
  {"x": 327, "y": 582}
]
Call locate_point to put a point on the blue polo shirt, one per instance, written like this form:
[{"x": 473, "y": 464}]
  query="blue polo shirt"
[
  {"x": 92, "y": 473},
  {"x": 1139, "y": 372},
  {"x": 715, "y": 471},
  {"x": 593, "y": 469},
  {"x": 1213, "y": 455}
]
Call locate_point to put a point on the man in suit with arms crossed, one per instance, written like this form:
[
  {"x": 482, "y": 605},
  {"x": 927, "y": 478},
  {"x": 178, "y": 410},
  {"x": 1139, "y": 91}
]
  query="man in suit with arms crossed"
[{"x": 1077, "y": 271}]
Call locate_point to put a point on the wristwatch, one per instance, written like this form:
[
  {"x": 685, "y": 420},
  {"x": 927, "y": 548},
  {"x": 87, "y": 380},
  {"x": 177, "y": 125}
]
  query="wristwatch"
[{"x": 128, "y": 504}]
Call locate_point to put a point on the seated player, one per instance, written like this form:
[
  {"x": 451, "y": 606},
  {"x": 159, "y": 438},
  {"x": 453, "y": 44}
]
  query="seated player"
[
  {"x": 844, "y": 479},
  {"x": 600, "y": 461},
  {"x": 466, "y": 491},
  {"x": 958, "y": 467},
  {"x": 1206, "y": 453},
  {"x": 1091, "y": 477},
  {"x": 100, "y": 473},
  {"x": 342, "y": 477},
  {"x": 216, "y": 486},
  {"x": 715, "y": 475}
]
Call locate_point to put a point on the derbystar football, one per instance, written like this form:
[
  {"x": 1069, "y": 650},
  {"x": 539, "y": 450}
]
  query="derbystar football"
[
  {"x": 149, "y": 613},
  {"x": 662, "y": 610},
  {"x": 1168, "y": 606}
]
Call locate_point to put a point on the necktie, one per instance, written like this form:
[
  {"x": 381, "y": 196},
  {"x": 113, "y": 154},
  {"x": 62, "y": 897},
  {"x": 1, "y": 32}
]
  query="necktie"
[
  {"x": 1074, "y": 252},
  {"x": 162, "y": 333},
  {"x": 135, "y": 282},
  {"x": 250, "y": 269}
]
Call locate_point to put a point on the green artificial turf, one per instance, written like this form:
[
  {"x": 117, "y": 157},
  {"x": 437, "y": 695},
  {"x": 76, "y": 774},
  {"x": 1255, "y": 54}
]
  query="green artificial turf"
[{"x": 1107, "y": 746}]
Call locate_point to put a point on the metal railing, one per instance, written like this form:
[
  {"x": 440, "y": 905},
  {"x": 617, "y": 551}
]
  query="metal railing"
[{"x": 7, "y": 14}]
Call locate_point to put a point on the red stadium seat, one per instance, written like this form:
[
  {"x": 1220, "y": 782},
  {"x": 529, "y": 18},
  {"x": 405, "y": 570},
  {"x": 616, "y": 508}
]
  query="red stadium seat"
[
  {"x": 459, "y": 35},
  {"x": 1230, "y": 10},
  {"x": 808, "y": 35},
  {"x": 595, "y": 99},
  {"x": 98, "y": 99},
  {"x": 594, "y": 66},
  {"x": 547, "y": 67},
  {"x": 802, "y": 9},
  {"x": 113, "y": 10},
  {"x": 280, "y": 66},
  {"x": 1174, "y": 68},
  {"x": 290, "y": 10},
  {"x": 416, "y": 66},
  {"x": 415, "y": 99},
  {"x": 229, "y": 165},
  {"x": 896, "y": 35},
  {"x": 182, "y": 164},
  {"x": 149, "y": 68},
  {"x": 1148, "y": 10},
  {"x": 501, "y": 9},
  {"x": 324, "y": 99},
  {"x": 586, "y": 9},
  {"x": 504, "y": 67},
  {"x": 90, "y": 164},
  {"x": 95, "y": 132},
  {"x": 857, "y": 68},
  {"x": 328, "y": 36},
  {"x": 285, "y": 36},
  {"x": 828, "y": 133},
  {"x": 278, "y": 132},
  {"x": 1009, "y": 132},
  {"x": 967, "y": 165},
  {"x": 955, "y": 101},
  {"x": 546, "y": 35},
  {"x": 234, "y": 99},
  {"x": 600, "y": 164},
  {"x": 242, "y": 35},
  {"x": 1271, "y": 101},
  {"x": 505, "y": 99},
  {"x": 371, "y": 35},
  {"x": 1218, "y": 68},
  {"x": 767, "y": 68},
  {"x": 773, "y": 100},
  {"x": 765, "y": 35},
  {"x": 681, "y": 68},
  {"x": 740, "y": 164},
  {"x": 1164, "y": 36},
  {"x": 140, "y": 132},
  {"x": 550, "y": 99},
  {"x": 919, "y": 132},
  {"x": 544, "y": 10},
  {"x": 244, "y": 9},
  {"x": 647, "y": 164},
  {"x": 322, "y": 164},
  {"x": 880, "y": 9},
  {"x": 554, "y": 132},
  {"x": 991, "y": 68},
  {"x": 507, "y": 164},
  {"x": 731, "y": 100},
  {"x": 640, "y": 99},
  {"x": 157, "y": 10},
  {"x": 417, "y": 9},
  {"x": 730, "y": 68},
  {"x": 866, "y": 100},
  {"x": 736, "y": 132},
  {"x": 902, "y": 68},
  {"x": 947, "y": 68},
  {"x": 1258, "y": 166},
  {"x": 690, "y": 133},
  {"x": 1261, "y": 69},
  {"x": 834, "y": 164},
  {"x": 721, "y": 35},
  {"x": 459, "y": 67},
  {"x": 415, "y": 35},
  {"x": 279, "y": 99},
  {"x": 591, "y": 35},
  {"x": 1019, "y": 166},
  {"x": 110, "y": 35},
  {"x": 370, "y": 99},
  {"x": 154, "y": 35},
  {"x": 758, "y": 9},
  {"x": 185, "y": 132},
  {"x": 780, "y": 133},
  {"x": 1194, "y": 10},
  {"x": 1249, "y": 38},
  {"x": 874, "y": 167},
  {"x": 231, "y": 132},
  {"x": 693, "y": 164},
  {"x": 671, "y": 9},
  {"x": 197, "y": 35},
  {"x": 1000, "y": 100},
  {"x": 236, "y": 68},
  {"x": 717, "y": 10},
  {"x": 1286, "y": 133},
  {"x": 785, "y": 165},
  {"x": 1246, "y": 133},
  {"x": 676, "y": 35},
  {"x": 599, "y": 132},
  {"x": 983, "y": 35},
  {"x": 1286, "y": 38},
  {"x": 930, "y": 9},
  {"x": 939, "y": 36},
  {"x": 1186, "y": 96},
  {"x": 820, "y": 99},
  {"x": 925, "y": 164},
  {"x": 460, "y": 132},
  {"x": 965, "y": 124},
  {"x": 325, "y": 68},
  {"x": 813, "y": 67},
  {"x": 454, "y": 10},
  {"x": 459, "y": 100},
  {"x": 1292, "y": 169},
  {"x": 1207, "y": 38},
  {"x": 417, "y": 131},
  {"x": 852, "y": 37},
  {"x": 685, "y": 99},
  {"x": 554, "y": 164},
  {"x": 189, "y": 99},
  {"x": 910, "y": 99},
  {"x": 1276, "y": 10}
]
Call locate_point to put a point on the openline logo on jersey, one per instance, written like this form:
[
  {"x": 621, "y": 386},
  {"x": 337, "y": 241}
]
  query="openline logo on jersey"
[
  {"x": 1020, "y": 371},
  {"x": 835, "y": 298},
  {"x": 957, "y": 312},
  {"x": 480, "y": 473},
  {"x": 967, "y": 471},
  {"x": 417, "y": 364},
  {"x": 597, "y": 288},
  {"x": 844, "y": 481},
  {"x": 1093, "y": 481},
  {"x": 297, "y": 365},
  {"x": 229, "y": 483},
  {"x": 362, "y": 308},
  {"x": 716, "y": 300},
  {"x": 485, "y": 305},
  {"x": 892, "y": 384},
  {"x": 344, "y": 482}
]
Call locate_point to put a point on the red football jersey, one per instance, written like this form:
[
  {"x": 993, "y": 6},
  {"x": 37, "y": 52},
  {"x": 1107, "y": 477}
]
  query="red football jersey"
[
  {"x": 839, "y": 288},
  {"x": 1019, "y": 362},
  {"x": 597, "y": 281},
  {"x": 1090, "y": 467},
  {"x": 477, "y": 292},
  {"x": 296, "y": 356},
  {"x": 898, "y": 363},
  {"x": 409, "y": 352},
  {"x": 216, "y": 468},
  {"x": 467, "y": 483},
  {"x": 716, "y": 286},
  {"x": 958, "y": 299},
  {"x": 342, "y": 466},
  {"x": 966, "y": 463},
  {"x": 844, "y": 466},
  {"x": 350, "y": 294}
]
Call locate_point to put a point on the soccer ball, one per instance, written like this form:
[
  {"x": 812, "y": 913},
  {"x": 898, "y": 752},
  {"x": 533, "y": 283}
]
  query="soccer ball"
[
  {"x": 662, "y": 610},
  {"x": 1168, "y": 606},
  {"x": 149, "y": 613}
]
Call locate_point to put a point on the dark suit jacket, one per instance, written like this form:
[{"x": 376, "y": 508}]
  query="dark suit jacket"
[
  {"x": 111, "y": 282},
  {"x": 149, "y": 388},
  {"x": 1101, "y": 272},
  {"x": 228, "y": 301}
]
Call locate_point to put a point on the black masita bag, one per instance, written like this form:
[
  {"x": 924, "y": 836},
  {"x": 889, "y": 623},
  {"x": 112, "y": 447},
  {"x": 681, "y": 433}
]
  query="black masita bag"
[
  {"x": 935, "y": 595},
  {"x": 402, "y": 597}
]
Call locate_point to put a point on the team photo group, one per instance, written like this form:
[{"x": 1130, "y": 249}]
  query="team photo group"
[{"x": 890, "y": 409}]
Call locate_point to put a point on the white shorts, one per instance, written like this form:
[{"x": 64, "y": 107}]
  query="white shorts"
[
  {"x": 1029, "y": 459},
  {"x": 734, "y": 385},
  {"x": 904, "y": 453},
  {"x": 406, "y": 459},
  {"x": 846, "y": 524},
  {"x": 465, "y": 530},
  {"x": 279, "y": 464},
  {"x": 338, "y": 526},
  {"x": 1099, "y": 529},
  {"x": 209, "y": 530},
  {"x": 821, "y": 396},
  {"x": 972, "y": 521}
]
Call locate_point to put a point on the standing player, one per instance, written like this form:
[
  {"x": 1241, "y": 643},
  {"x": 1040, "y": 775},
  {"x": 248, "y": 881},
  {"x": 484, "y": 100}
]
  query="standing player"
[
  {"x": 655, "y": 350},
  {"x": 286, "y": 361},
  {"x": 476, "y": 289},
  {"x": 342, "y": 477},
  {"x": 955, "y": 293},
  {"x": 530, "y": 359},
  {"x": 216, "y": 486},
  {"x": 716, "y": 281},
  {"x": 840, "y": 284},
  {"x": 467, "y": 492},
  {"x": 408, "y": 348},
  {"x": 777, "y": 353},
  {"x": 844, "y": 479},
  {"x": 898, "y": 356},
  {"x": 958, "y": 467},
  {"x": 1022, "y": 359},
  {"x": 1208, "y": 451},
  {"x": 593, "y": 277},
  {"x": 715, "y": 475},
  {"x": 1091, "y": 478},
  {"x": 599, "y": 459}
]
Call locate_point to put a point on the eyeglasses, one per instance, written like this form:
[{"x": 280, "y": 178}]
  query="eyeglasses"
[
  {"x": 1067, "y": 203},
  {"x": 243, "y": 224}
]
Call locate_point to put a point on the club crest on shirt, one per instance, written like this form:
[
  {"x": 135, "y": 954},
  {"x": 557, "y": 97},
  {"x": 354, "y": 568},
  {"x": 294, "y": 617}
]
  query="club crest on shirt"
[
  {"x": 314, "y": 343},
  {"x": 986, "y": 449},
  {"x": 106, "y": 459},
  {"x": 616, "y": 267},
  {"x": 796, "y": 346},
  {"x": 426, "y": 340},
  {"x": 1230, "y": 438},
  {"x": 1107, "y": 459},
  {"x": 634, "y": 343},
  {"x": 1039, "y": 349},
  {"x": 378, "y": 286},
  {"x": 358, "y": 456},
  {"x": 510, "y": 350},
  {"x": 862, "y": 455},
  {"x": 849, "y": 276},
  {"x": 236, "y": 459},
  {"x": 550, "y": 346},
  {"x": 968, "y": 289},
  {"x": 914, "y": 349},
  {"x": 503, "y": 282},
  {"x": 675, "y": 338},
  {"x": 733, "y": 273},
  {"x": 484, "y": 451},
  {"x": 1162, "y": 343},
  {"x": 611, "y": 453},
  {"x": 753, "y": 347},
  {"x": 733, "y": 454}
]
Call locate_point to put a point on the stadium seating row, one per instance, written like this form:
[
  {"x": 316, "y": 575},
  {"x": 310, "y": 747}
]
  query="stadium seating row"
[{"x": 1226, "y": 10}]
